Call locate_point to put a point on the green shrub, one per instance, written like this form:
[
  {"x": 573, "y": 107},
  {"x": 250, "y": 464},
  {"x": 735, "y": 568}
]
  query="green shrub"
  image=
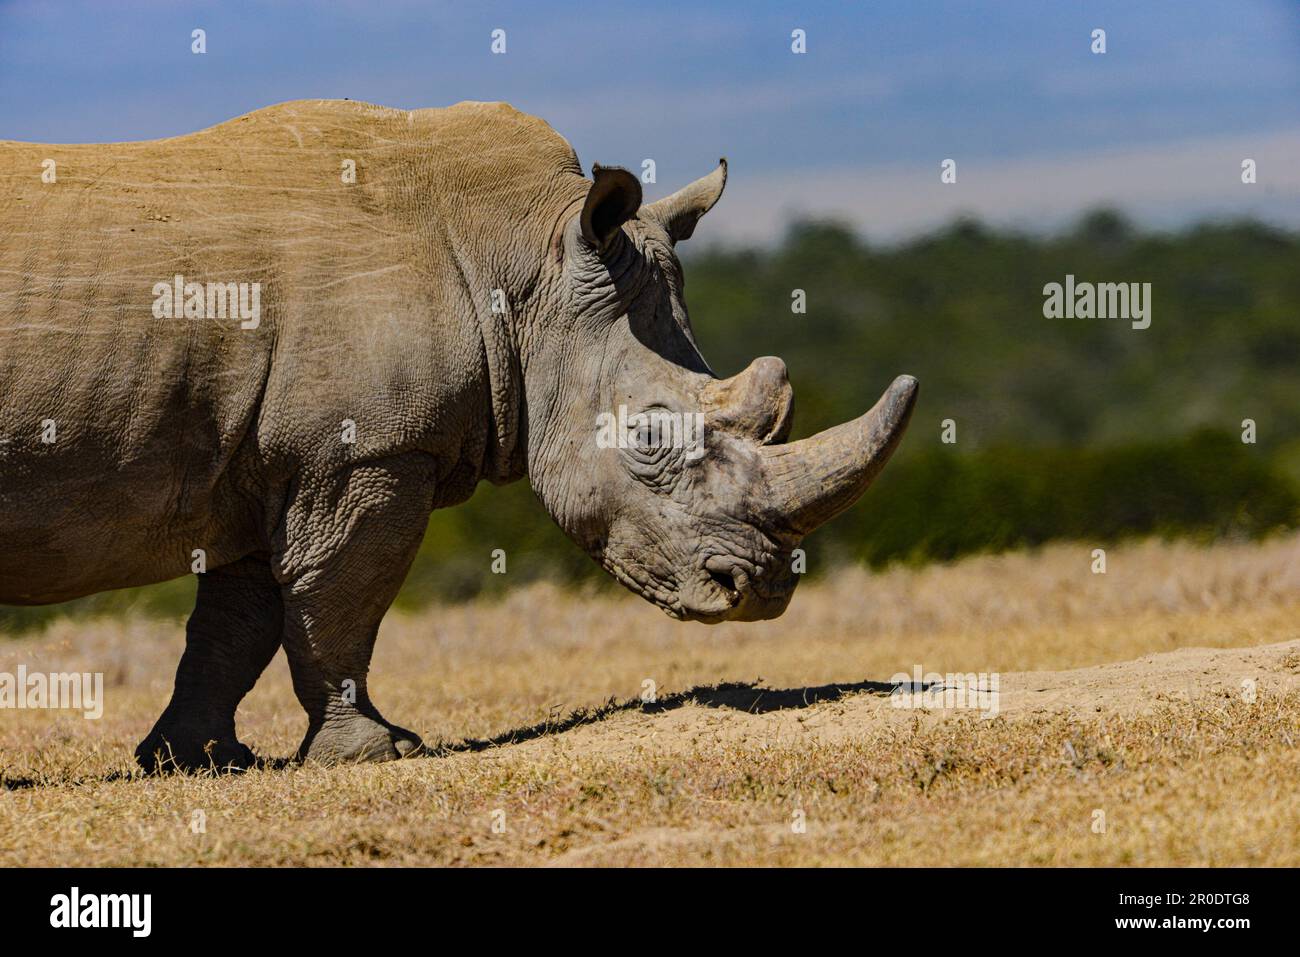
[{"x": 941, "y": 504}]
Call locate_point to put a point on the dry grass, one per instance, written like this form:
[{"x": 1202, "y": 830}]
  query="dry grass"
[{"x": 1186, "y": 768}]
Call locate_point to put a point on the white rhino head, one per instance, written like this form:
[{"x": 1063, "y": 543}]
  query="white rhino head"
[{"x": 680, "y": 484}]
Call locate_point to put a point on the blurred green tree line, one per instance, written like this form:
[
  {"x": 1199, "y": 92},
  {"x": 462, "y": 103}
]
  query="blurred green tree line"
[{"x": 1080, "y": 429}]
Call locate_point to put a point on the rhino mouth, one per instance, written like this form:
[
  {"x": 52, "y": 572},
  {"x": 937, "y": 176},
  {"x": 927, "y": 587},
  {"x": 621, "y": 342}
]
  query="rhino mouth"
[
  {"x": 710, "y": 596},
  {"x": 661, "y": 595},
  {"x": 734, "y": 589}
]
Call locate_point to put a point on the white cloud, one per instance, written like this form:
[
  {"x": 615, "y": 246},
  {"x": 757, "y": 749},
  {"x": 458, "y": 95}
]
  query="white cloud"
[{"x": 1164, "y": 185}]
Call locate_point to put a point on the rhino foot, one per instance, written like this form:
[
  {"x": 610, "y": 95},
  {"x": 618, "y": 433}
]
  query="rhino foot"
[
  {"x": 356, "y": 739},
  {"x": 166, "y": 751}
]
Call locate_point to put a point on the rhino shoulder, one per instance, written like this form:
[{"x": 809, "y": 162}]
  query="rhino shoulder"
[{"x": 499, "y": 124}]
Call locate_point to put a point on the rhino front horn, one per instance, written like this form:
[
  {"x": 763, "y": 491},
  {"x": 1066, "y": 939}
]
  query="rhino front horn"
[{"x": 813, "y": 480}]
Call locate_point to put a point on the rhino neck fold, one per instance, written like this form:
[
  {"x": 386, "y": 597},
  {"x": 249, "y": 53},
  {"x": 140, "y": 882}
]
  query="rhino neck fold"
[{"x": 503, "y": 460}]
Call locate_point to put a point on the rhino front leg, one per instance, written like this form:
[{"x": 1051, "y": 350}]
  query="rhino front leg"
[
  {"x": 347, "y": 550},
  {"x": 231, "y": 637}
]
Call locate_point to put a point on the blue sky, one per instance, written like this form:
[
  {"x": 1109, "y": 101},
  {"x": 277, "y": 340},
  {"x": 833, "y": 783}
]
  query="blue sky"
[{"x": 1040, "y": 126}]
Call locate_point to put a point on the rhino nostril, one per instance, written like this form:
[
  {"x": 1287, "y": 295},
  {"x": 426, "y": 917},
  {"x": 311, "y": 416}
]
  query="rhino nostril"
[{"x": 725, "y": 581}]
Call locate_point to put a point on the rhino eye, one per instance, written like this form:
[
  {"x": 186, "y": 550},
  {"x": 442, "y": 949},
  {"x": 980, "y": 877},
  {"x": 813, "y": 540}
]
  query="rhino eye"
[
  {"x": 648, "y": 432},
  {"x": 647, "y": 437},
  {"x": 652, "y": 453}
]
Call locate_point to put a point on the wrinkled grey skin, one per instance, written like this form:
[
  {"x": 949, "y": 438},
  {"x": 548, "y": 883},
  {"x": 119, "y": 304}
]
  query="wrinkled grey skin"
[{"x": 176, "y": 435}]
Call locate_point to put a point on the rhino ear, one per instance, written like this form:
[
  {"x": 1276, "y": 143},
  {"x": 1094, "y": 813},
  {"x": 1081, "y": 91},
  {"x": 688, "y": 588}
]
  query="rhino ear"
[
  {"x": 679, "y": 212},
  {"x": 613, "y": 199}
]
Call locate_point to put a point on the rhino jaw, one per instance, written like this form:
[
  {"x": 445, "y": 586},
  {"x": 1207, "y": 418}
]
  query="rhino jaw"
[{"x": 813, "y": 480}]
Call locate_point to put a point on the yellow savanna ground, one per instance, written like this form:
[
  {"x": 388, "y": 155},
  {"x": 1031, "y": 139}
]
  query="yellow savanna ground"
[{"x": 1147, "y": 716}]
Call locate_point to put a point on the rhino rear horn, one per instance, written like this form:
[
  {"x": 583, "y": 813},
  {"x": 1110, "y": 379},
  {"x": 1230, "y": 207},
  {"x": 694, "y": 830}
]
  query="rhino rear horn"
[
  {"x": 613, "y": 199},
  {"x": 679, "y": 212},
  {"x": 813, "y": 480},
  {"x": 757, "y": 403}
]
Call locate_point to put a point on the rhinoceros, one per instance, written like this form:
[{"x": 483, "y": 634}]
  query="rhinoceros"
[{"x": 265, "y": 351}]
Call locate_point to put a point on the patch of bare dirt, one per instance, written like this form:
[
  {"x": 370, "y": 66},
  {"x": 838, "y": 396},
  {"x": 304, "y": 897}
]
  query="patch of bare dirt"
[{"x": 744, "y": 714}]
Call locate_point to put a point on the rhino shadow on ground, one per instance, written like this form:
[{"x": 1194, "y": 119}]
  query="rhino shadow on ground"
[{"x": 737, "y": 695}]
